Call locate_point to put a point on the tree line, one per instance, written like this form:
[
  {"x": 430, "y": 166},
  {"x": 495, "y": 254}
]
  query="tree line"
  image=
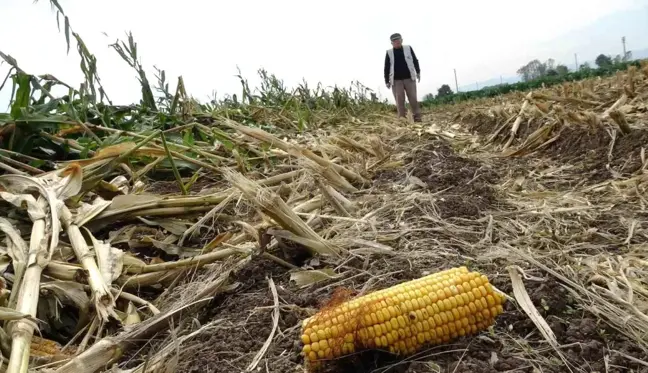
[{"x": 533, "y": 75}]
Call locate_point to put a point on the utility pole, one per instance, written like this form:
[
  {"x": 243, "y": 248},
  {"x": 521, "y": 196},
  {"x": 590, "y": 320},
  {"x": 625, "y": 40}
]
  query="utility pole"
[
  {"x": 456, "y": 84},
  {"x": 625, "y": 54},
  {"x": 501, "y": 80},
  {"x": 576, "y": 60}
]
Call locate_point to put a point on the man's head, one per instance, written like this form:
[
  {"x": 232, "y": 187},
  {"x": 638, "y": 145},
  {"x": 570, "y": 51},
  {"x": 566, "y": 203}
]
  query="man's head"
[{"x": 396, "y": 40}]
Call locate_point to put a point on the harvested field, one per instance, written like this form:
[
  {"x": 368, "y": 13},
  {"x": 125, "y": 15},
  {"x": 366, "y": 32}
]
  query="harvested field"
[{"x": 175, "y": 236}]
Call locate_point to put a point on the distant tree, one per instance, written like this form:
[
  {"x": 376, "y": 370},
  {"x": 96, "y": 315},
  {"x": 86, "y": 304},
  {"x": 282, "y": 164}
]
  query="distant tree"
[
  {"x": 524, "y": 73},
  {"x": 617, "y": 59},
  {"x": 603, "y": 61},
  {"x": 552, "y": 72},
  {"x": 628, "y": 56},
  {"x": 428, "y": 97},
  {"x": 536, "y": 69},
  {"x": 585, "y": 66},
  {"x": 445, "y": 90},
  {"x": 562, "y": 70},
  {"x": 530, "y": 71}
]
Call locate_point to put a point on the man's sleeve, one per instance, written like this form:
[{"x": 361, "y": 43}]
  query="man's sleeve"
[
  {"x": 387, "y": 68},
  {"x": 416, "y": 63}
]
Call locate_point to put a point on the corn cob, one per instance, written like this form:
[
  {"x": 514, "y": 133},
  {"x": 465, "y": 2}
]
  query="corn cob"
[
  {"x": 405, "y": 317},
  {"x": 41, "y": 347}
]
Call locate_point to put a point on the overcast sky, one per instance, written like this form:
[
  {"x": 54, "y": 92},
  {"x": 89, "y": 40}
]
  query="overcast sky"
[{"x": 334, "y": 41}]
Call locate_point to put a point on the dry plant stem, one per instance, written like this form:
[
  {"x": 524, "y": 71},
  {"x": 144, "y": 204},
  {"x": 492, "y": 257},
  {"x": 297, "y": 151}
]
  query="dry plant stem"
[
  {"x": 11, "y": 170},
  {"x": 194, "y": 161},
  {"x": 207, "y": 216},
  {"x": 27, "y": 167},
  {"x": 618, "y": 103},
  {"x": 340, "y": 203},
  {"x": 98, "y": 174},
  {"x": 139, "y": 174},
  {"x": 160, "y": 205},
  {"x": 27, "y": 157},
  {"x": 262, "y": 135},
  {"x": 66, "y": 272},
  {"x": 104, "y": 301},
  {"x": 275, "y": 324},
  {"x": 279, "y": 261},
  {"x": 196, "y": 262},
  {"x": 170, "y": 202},
  {"x": 94, "y": 325},
  {"x": 117, "y": 293},
  {"x": 157, "y": 363},
  {"x": 203, "y": 202},
  {"x": 71, "y": 143},
  {"x": 135, "y": 299},
  {"x": 22, "y": 330},
  {"x": 273, "y": 206},
  {"x": 525, "y": 302},
  {"x": 518, "y": 120},
  {"x": 109, "y": 349},
  {"x": 565, "y": 99},
  {"x": 331, "y": 176},
  {"x": 150, "y": 279},
  {"x": 181, "y": 147},
  {"x": 5, "y": 343}
]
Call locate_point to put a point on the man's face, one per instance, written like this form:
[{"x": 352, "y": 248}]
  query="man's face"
[{"x": 397, "y": 43}]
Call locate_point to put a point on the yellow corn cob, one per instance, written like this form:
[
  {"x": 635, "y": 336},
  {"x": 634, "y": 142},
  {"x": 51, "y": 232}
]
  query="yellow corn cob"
[
  {"x": 405, "y": 317},
  {"x": 42, "y": 347}
]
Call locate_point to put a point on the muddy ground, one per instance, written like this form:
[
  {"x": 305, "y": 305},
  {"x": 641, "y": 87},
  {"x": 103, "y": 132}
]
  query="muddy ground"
[{"x": 464, "y": 190}]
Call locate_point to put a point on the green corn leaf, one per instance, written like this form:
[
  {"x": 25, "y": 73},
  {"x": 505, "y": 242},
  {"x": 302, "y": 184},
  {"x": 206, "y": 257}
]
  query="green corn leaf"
[{"x": 23, "y": 94}]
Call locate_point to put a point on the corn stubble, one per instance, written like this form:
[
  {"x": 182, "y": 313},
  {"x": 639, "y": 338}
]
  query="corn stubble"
[{"x": 404, "y": 318}]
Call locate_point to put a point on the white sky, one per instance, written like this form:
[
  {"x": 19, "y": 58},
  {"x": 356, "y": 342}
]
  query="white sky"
[{"x": 334, "y": 41}]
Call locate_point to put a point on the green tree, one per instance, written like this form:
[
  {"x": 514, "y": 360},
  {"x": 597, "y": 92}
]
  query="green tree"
[
  {"x": 445, "y": 90},
  {"x": 603, "y": 61},
  {"x": 536, "y": 69},
  {"x": 562, "y": 70}
]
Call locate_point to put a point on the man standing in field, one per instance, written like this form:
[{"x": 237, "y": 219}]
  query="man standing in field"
[{"x": 401, "y": 70}]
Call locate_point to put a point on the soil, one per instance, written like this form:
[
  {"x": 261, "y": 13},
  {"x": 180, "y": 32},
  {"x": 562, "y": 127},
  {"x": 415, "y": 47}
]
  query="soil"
[
  {"x": 465, "y": 189},
  {"x": 249, "y": 321},
  {"x": 591, "y": 148},
  {"x": 585, "y": 146},
  {"x": 462, "y": 184}
]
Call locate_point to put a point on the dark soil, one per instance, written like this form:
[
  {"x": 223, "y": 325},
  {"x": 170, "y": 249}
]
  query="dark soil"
[
  {"x": 588, "y": 149},
  {"x": 464, "y": 188},
  {"x": 248, "y": 322},
  {"x": 463, "y": 185}
]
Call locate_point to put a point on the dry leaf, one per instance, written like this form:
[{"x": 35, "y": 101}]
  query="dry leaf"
[
  {"x": 131, "y": 200},
  {"x": 305, "y": 278},
  {"x": 523, "y": 299},
  {"x": 68, "y": 292},
  {"x": 132, "y": 317},
  {"x": 88, "y": 211},
  {"x": 110, "y": 260}
]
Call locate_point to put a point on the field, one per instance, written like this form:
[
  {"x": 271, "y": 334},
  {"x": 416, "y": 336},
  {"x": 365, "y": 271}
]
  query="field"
[{"x": 177, "y": 236}]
